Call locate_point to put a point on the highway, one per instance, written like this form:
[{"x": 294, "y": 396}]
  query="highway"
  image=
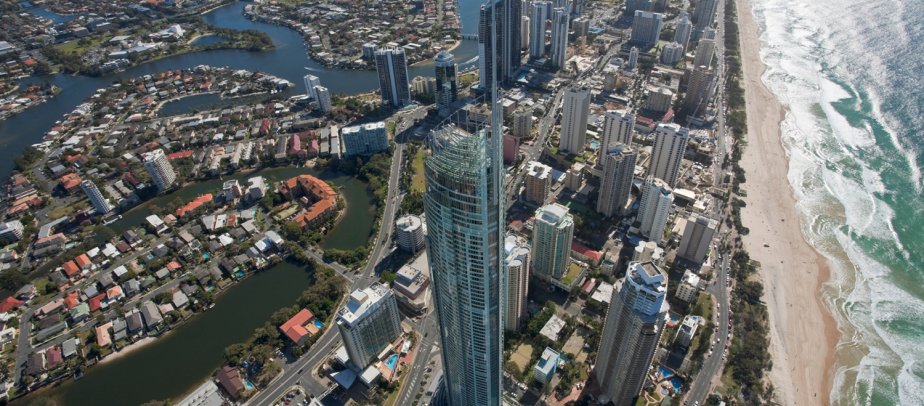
[{"x": 427, "y": 335}]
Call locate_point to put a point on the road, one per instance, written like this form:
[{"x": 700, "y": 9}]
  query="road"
[
  {"x": 301, "y": 370},
  {"x": 428, "y": 332}
]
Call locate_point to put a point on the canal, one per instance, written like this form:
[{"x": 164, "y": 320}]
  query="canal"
[
  {"x": 351, "y": 232},
  {"x": 287, "y": 60},
  {"x": 172, "y": 365}
]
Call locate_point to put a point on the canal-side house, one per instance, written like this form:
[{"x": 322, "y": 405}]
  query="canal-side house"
[
  {"x": 300, "y": 327},
  {"x": 231, "y": 381},
  {"x": 152, "y": 317}
]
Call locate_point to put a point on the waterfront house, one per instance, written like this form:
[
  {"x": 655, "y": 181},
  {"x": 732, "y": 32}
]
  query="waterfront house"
[
  {"x": 134, "y": 324},
  {"x": 53, "y": 358},
  {"x": 103, "y": 338},
  {"x": 35, "y": 365},
  {"x": 180, "y": 300},
  {"x": 300, "y": 327},
  {"x": 69, "y": 347},
  {"x": 231, "y": 381},
  {"x": 152, "y": 316}
]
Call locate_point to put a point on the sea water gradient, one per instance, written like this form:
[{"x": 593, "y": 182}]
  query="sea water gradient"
[{"x": 851, "y": 73}]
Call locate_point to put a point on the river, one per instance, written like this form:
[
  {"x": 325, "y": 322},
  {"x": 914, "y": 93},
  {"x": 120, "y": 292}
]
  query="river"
[
  {"x": 172, "y": 365},
  {"x": 287, "y": 60}
]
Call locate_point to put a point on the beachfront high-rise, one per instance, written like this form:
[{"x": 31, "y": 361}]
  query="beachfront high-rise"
[
  {"x": 447, "y": 90},
  {"x": 616, "y": 182},
  {"x": 646, "y": 28},
  {"x": 657, "y": 198},
  {"x": 516, "y": 268},
  {"x": 705, "y": 50},
  {"x": 99, "y": 202},
  {"x": 704, "y": 15},
  {"x": 553, "y": 233},
  {"x": 575, "y": 111},
  {"x": 368, "y": 323},
  {"x": 158, "y": 166},
  {"x": 697, "y": 235},
  {"x": 559, "y": 50},
  {"x": 391, "y": 66},
  {"x": 618, "y": 127},
  {"x": 669, "y": 146},
  {"x": 464, "y": 246},
  {"x": 634, "y": 324},
  {"x": 700, "y": 88},
  {"x": 539, "y": 15},
  {"x": 310, "y": 82}
]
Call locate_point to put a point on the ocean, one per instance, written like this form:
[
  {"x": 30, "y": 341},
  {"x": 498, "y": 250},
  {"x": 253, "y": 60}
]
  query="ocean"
[{"x": 851, "y": 73}]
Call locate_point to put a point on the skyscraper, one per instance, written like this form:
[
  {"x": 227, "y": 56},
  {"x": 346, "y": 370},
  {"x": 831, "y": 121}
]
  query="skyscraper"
[
  {"x": 632, "y": 63},
  {"x": 100, "y": 203},
  {"x": 616, "y": 183},
  {"x": 704, "y": 15},
  {"x": 633, "y": 327},
  {"x": 537, "y": 21},
  {"x": 323, "y": 98},
  {"x": 646, "y": 28},
  {"x": 463, "y": 203},
  {"x": 669, "y": 146},
  {"x": 158, "y": 166},
  {"x": 560, "y": 20},
  {"x": 700, "y": 88},
  {"x": 524, "y": 33},
  {"x": 657, "y": 198},
  {"x": 683, "y": 30},
  {"x": 516, "y": 267},
  {"x": 618, "y": 127},
  {"x": 447, "y": 90},
  {"x": 310, "y": 82},
  {"x": 368, "y": 323},
  {"x": 391, "y": 65},
  {"x": 552, "y": 236},
  {"x": 698, "y": 233},
  {"x": 575, "y": 110},
  {"x": 538, "y": 182},
  {"x": 671, "y": 53},
  {"x": 503, "y": 17},
  {"x": 704, "y": 52}
]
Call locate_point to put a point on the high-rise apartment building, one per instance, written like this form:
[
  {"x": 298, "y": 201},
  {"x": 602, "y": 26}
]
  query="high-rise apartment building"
[
  {"x": 537, "y": 21},
  {"x": 524, "y": 33},
  {"x": 632, "y": 62},
  {"x": 522, "y": 123},
  {"x": 634, "y": 324},
  {"x": 559, "y": 52},
  {"x": 646, "y": 28},
  {"x": 310, "y": 82},
  {"x": 697, "y": 235},
  {"x": 683, "y": 30},
  {"x": 364, "y": 139},
  {"x": 575, "y": 111},
  {"x": 391, "y": 66},
  {"x": 538, "y": 182},
  {"x": 705, "y": 50},
  {"x": 447, "y": 90},
  {"x": 368, "y": 323},
  {"x": 704, "y": 14},
  {"x": 671, "y": 53},
  {"x": 503, "y": 16},
  {"x": 97, "y": 200},
  {"x": 463, "y": 204},
  {"x": 659, "y": 100},
  {"x": 616, "y": 182},
  {"x": 657, "y": 198},
  {"x": 516, "y": 268},
  {"x": 323, "y": 98},
  {"x": 553, "y": 232},
  {"x": 11, "y": 232},
  {"x": 158, "y": 166},
  {"x": 669, "y": 146},
  {"x": 700, "y": 88},
  {"x": 618, "y": 128}
]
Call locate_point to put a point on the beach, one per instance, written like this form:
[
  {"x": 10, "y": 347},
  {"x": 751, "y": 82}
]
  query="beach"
[
  {"x": 137, "y": 345},
  {"x": 803, "y": 333}
]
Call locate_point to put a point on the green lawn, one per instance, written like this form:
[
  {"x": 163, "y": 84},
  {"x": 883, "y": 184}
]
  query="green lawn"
[
  {"x": 573, "y": 271},
  {"x": 76, "y": 47},
  {"x": 417, "y": 179}
]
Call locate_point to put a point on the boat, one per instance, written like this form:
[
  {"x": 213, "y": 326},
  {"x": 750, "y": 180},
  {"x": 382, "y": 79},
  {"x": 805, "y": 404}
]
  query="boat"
[{"x": 112, "y": 220}]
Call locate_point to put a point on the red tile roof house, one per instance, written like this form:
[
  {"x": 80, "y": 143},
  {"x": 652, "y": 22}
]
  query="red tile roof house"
[
  {"x": 83, "y": 261},
  {"x": 71, "y": 270},
  {"x": 300, "y": 327},
  {"x": 231, "y": 381},
  {"x": 53, "y": 358},
  {"x": 9, "y": 304}
]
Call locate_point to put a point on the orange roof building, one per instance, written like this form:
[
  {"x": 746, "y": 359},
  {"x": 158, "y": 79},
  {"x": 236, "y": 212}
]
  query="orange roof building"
[
  {"x": 70, "y": 182},
  {"x": 71, "y": 269},
  {"x": 300, "y": 327},
  {"x": 83, "y": 261},
  {"x": 322, "y": 197},
  {"x": 194, "y": 204}
]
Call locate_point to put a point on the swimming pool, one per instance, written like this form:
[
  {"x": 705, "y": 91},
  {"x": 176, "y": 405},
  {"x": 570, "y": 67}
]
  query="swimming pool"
[
  {"x": 318, "y": 324},
  {"x": 665, "y": 373},
  {"x": 677, "y": 383},
  {"x": 392, "y": 362}
]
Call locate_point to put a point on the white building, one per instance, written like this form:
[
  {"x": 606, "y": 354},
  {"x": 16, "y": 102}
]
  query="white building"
[
  {"x": 687, "y": 330},
  {"x": 632, "y": 63},
  {"x": 368, "y": 323},
  {"x": 323, "y": 98},
  {"x": 517, "y": 268},
  {"x": 669, "y": 146},
  {"x": 364, "y": 139},
  {"x": 657, "y": 198},
  {"x": 646, "y": 27},
  {"x": 99, "y": 202},
  {"x": 618, "y": 128},
  {"x": 10, "y": 232},
  {"x": 158, "y": 166},
  {"x": 688, "y": 289},
  {"x": 560, "y": 21},
  {"x": 410, "y": 233},
  {"x": 694, "y": 244},
  {"x": 311, "y": 81},
  {"x": 553, "y": 233},
  {"x": 671, "y": 53},
  {"x": 683, "y": 30},
  {"x": 659, "y": 99},
  {"x": 539, "y": 15},
  {"x": 538, "y": 182},
  {"x": 575, "y": 110},
  {"x": 522, "y": 123}
]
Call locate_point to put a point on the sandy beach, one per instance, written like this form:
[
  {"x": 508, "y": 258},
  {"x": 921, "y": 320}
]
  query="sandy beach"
[
  {"x": 128, "y": 349},
  {"x": 803, "y": 333}
]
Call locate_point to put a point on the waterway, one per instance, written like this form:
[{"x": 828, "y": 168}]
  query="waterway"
[
  {"x": 351, "y": 232},
  {"x": 287, "y": 60},
  {"x": 175, "y": 363}
]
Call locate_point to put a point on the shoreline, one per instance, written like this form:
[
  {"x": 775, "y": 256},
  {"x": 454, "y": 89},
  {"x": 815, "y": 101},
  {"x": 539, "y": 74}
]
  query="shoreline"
[
  {"x": 803, "y": 332},
  {"x": 137, "y": 345}
]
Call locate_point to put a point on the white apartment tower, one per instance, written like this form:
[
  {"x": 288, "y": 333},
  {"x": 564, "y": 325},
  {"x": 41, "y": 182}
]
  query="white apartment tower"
[
  {"x": 310, "y": 82},
  {"x": 158, "y": 166},
  {"x": 683, "y": 30},
  {"x": 538, "y": 182},
  {"x": 657, "y": 198},
  {"x": 618, "y": 128},
  {"x": 516, "y": 267},
  {"x": 697, "y": 235},
  {"x": 669, "y": 146},
  {"x": 539, "y": 15},
  {"x": 553, "y": 232},
  {"x": 323, "y": 98},
  {"x": 560, "y": 20},
  {"x": 616, "y": 182},
  {"x": 368, "y": 323},
  {"x": 575, "y": 110},
  {"x": 99, "y": 202},
  {"x": 634, "y": 324}
]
